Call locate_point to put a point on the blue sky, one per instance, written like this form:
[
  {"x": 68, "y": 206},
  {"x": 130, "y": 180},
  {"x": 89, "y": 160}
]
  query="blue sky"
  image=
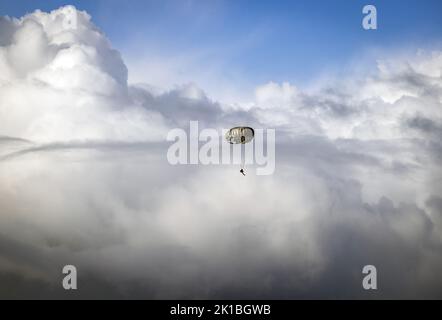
[{"x": 256, "y": 42}]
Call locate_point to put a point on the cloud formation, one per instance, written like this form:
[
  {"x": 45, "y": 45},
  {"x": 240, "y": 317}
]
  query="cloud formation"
[{"x": 84, "y": 179}]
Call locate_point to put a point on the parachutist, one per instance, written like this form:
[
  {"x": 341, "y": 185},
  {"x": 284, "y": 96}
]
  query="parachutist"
[{"x": 240, "y": 135}]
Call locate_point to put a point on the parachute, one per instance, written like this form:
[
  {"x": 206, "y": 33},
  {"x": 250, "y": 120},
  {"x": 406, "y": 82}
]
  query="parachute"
[{"x": 240, "y": 135}]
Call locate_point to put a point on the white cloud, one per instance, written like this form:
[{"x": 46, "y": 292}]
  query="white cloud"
[{"x": 84, "y": 179}]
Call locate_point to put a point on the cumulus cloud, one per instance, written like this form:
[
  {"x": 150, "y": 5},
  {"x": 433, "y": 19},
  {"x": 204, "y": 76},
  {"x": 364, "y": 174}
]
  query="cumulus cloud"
[{"x": 84, "y": 179}]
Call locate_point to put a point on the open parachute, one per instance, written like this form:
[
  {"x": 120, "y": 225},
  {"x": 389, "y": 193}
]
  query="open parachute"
[{"x": 240, "y": 135}]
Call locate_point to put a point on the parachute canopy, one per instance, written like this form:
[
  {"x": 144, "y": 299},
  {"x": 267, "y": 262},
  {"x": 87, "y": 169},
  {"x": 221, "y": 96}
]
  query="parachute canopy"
[{"x": 240, "y": 135}]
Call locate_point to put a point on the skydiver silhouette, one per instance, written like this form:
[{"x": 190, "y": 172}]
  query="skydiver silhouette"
[{"x": 242, "y": 171}]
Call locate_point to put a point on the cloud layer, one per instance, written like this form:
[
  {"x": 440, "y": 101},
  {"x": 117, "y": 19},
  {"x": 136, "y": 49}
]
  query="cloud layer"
[{"x": 84, "y": 179}]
